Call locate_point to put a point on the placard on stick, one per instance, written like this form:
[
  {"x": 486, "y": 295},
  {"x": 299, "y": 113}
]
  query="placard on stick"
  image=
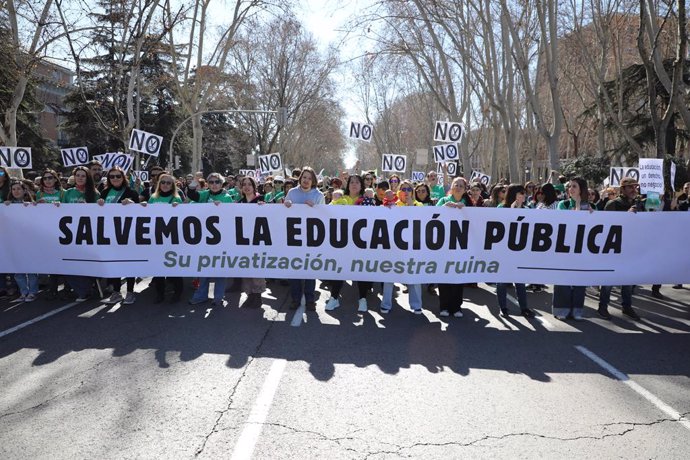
[
  {"x": 478, "y": 176},
  {"x": 148, "y": 143},
  {"x": 361, "y": 131},
  {"x": 448, "y": 131},
  {"x": 74, "y": 156},
  {"x": 394, "y": 163},
  {"x": 270, "y": 162},
  {"x": 452, "y": 169},
  {"x": 418, "y": 176},
  {"x": 15, "y": 157},
  {"x": 619, "y": 172},
  {"x": 446, "y": 152}
]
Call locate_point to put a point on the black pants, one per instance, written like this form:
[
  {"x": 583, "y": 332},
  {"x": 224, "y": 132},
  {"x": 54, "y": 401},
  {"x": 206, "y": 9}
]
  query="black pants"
[
  {"x": 117, "y": 284},
  {"x": 362, "y": 286},
  {"x": 159, "y": 284},
  {"x": 450, "y": 297}
]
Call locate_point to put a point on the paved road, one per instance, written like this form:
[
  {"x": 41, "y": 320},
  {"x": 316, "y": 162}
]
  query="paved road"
[{"x": 174, "y": 381}]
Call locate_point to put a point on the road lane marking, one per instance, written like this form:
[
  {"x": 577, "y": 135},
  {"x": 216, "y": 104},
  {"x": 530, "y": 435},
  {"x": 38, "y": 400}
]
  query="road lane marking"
[
  {"x": 250, "y": 435},
  {"x": 662, "y": 406},
  {"x": 38, "y": 318}
]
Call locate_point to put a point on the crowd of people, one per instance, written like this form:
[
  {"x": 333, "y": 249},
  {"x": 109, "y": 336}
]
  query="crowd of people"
[{"x": 91, "y": 184}]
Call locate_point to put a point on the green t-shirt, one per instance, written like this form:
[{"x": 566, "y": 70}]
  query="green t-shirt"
[
  {"x": 225, "y": 197},
  {"x": 54, "y": 197},
  {"x": 113, "y": 195},
  {"x": 164, "y": 199},
  {"x": 437, "y": 192},
  {"x": 570, "y": 204},
  {"x": 449, "y": 199},
  {"x": 278, "y": 196},
  {"x": 73, "y": 196}
]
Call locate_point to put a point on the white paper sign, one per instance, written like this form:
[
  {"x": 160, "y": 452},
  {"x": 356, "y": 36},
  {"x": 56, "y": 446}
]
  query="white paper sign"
[
  {"x": 619, "y": 172},
  {"x": 478, "y": 176},
  {"x": 247, "y": 172},
  {"x": 651, "y": 175},
  {"x": 74, "y": 156},
  {"x": 143, "y": 176},
  {"x": 112, "y": 159},
  {"x": 446, "y": 152},
  {"x": 452, "y": 170},
  {"x": 421, "y": 157},
  {"x": 361, "y": 131},
  {"x": 270, "y": 162},
  {"x": 418, "y": 176},
  {"x": 15, "y": 157},
  {"x": 394, "y": 163},
  {"x": 141, "y": 141},
  {"x": 673, "y": 176},
  {"x": 448, "y": 131}
]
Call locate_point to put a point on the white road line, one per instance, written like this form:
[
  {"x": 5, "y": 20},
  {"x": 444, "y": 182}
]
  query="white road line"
[
  {"x": 37, "y": 319},
  {"x": 250, "y": 435},
  {"x": 662, "y": 406}
]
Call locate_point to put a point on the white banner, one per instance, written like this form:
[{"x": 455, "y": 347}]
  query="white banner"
[
  {"x": 407, "y": 245},
  {"x": 651, "y": 176}
]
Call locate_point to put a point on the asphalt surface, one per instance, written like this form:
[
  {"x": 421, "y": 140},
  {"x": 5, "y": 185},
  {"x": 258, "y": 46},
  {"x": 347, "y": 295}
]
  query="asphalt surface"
[{"x": 178, "y": 381}]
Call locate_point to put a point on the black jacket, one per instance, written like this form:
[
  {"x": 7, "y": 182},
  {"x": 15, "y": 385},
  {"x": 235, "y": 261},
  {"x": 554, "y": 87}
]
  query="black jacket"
[{"x": 127, "y": 193}]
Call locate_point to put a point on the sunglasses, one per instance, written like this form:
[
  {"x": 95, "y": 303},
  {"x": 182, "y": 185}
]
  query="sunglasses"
[
  {"x": 405, "y": 189},
  {"x": 49, "y": 178},
  {"x": 394, "y": 181},
  {"x": 115, "y": 176},
  {"x": 166, "y": 182},
  {"x": 214, "y": 182}
]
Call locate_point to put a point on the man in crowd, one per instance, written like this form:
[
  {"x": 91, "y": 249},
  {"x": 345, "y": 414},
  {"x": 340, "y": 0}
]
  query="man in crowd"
[
  {"x": 154, "y": 172},
  {"x": 627, "y": 201}
]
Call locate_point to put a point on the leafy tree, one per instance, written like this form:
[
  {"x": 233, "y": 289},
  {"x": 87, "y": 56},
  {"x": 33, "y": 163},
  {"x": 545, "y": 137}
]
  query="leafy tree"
[{"x": 590, "y": 167}]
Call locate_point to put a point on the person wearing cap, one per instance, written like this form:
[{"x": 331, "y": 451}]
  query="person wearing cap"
[
  {"x": 627, "y": 201},
  {"x": 279, "y": 193}
]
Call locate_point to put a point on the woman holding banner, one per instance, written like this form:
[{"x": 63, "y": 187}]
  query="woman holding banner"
[
  {"x": 4, "y": 184},
  {"x": 354, "y": 193},
  {"x": 166, "y": 193},
  {"x": 215, "y": 192},
  {"x": 84, "y": 190},
  {"x": 49, "y": 188},
  {"x": 514, "y": 198},
  {"x": 26, "y": 282},
  {"x": 406, "y": 198},
  {"x": 450, "y": 295},
  {"x": 117, "y": 191},
  {"x": 569, "y": 301},
  {"x": 254, "y": 287}
]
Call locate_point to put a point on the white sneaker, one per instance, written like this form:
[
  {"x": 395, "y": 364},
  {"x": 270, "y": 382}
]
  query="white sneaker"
[
  {"x": 21, "y": 298},
  {"x": 444, "y": 313},
  {"x": 30, "y": 298},
  {"x": 332, "y": 304},
  {"x": 129, "y": 298},
  {"x": 115, "y": 298},
  {"x": 458, "y": 314},
  {"x": 418, "y": 311},
  {"x": 362, "y": 306}
]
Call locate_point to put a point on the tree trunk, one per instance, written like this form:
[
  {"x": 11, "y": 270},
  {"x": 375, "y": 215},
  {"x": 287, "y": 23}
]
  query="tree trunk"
[{"x": 197, "y": 142}]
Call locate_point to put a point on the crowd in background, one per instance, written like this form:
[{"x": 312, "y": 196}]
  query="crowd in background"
[{"x": 91, "y": 184}]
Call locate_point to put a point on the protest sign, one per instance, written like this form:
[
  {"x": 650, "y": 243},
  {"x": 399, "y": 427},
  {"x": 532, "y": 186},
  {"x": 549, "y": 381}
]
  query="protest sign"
[
  {"x": 418, "y": 176},
  {"x": 141, "y": 141},
  {"x": 651, "y": 175},
  {"x": 15, "y": 157},
  {"x": 248, "y": 173},
  {"x": 74, "y": 156},
  {"x": 448, "y": 131},
  {"x": 394, "y": 163},
  {"x": 402, "y": 244},
  {"x": 446, "y": 152},
  {"x": 270, "y": 162},
  {"x": 478, "y": 176},
  {"x": 112, "y": 159},
  {"x": 617, "y": 173},
  {"x": 142, "y": 176},
  {"x": 673, "y": 176},
  {"x": 421, "y": 157},
  {"x": 361, "y": 131},
  {"x": 451, "y": 170}
]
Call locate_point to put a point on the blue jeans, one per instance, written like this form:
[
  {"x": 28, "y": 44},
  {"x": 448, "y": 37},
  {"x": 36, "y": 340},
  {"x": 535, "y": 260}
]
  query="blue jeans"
[
  {"x": 415, "y": 296},
  {"x": 27, "y": 283},
  {"x": 605, "y": 296},
  {"x": 568, "y": 300},
  {"x": 520, "y": 290},
  {"x": 201, "y": 294},
  {"x": 296, "y": 290}
]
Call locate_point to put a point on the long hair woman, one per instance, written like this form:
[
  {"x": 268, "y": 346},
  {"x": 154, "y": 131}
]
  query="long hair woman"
[
  {"x": 49, "y": 187},
  {"x": 569, "y": 301},
  {"x": 117, "y": 191},
  {"x": 84, "y": 190},
  {"x": 353, "y": 196},
  {"x": 515, "y": 197}
]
